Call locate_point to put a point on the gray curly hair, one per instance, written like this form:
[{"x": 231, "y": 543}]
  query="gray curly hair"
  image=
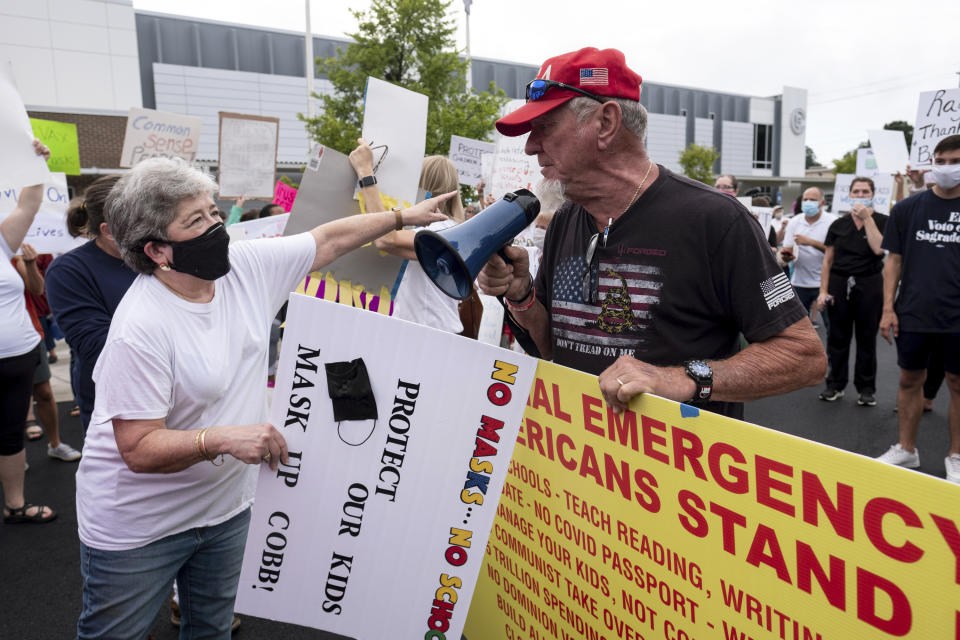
[
  {"x": 144, "y": 202},
  {"x": 633, "y": 113}
]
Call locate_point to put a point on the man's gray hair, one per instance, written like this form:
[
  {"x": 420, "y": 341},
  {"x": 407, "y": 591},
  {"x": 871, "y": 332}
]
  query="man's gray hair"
[
  {"x": 634, "y": 113},
  {"x": 144, "y": 202}
]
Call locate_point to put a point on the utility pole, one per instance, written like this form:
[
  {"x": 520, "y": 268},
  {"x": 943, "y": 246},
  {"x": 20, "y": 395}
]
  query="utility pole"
[
  {"x": 466, "y": 8},
  {"x": 308, "y": 42}
]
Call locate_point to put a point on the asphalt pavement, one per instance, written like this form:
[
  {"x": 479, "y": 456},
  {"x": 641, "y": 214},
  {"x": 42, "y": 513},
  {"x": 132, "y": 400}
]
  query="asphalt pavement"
[{"x": 40, "y": 579}]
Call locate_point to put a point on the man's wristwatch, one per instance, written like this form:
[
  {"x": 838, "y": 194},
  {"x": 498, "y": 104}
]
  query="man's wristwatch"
[
  {"x": 701, "y": 373},
  {"x": 367, "y": 181}
]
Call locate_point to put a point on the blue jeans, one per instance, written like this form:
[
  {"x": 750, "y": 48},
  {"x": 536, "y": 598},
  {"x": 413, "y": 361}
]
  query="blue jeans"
[{"x": 124, "y": 590}]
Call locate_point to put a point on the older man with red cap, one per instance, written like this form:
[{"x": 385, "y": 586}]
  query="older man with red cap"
[{"x": 648, "y": 278}]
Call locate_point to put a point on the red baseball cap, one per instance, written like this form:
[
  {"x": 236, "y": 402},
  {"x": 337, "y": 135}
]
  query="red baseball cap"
[{"x": 602, "y": 72}]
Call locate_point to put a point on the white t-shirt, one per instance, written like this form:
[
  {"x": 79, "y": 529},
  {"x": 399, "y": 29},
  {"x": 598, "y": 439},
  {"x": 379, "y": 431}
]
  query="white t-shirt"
[
  {"x": 196, "y": 365},
  {"x": 17, "y": 335},
  {"x": 806, "y": 266},
  {"x": 420, "y": 301}
]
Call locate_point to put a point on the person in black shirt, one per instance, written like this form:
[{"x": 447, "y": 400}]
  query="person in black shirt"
[
  {"x": 647, "y": 277},
  {"x": 851, "y": 290}
]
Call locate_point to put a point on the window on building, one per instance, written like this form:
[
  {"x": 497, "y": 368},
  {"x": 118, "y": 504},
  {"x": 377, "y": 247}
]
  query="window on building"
[{"x": 762, "y": 146}]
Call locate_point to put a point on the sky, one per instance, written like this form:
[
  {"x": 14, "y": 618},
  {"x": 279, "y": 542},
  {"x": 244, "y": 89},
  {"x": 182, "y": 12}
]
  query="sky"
[{"x": 863, "y": 63}]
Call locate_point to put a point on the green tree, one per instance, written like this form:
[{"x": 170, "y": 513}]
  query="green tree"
[
  {"x": 811, "y": 158},
  {"x": 697, "y": 162},
  {"x": 409, "y": 43},
  {"x": 901, "y": 125},
  {"x": 848, "y": 163}
]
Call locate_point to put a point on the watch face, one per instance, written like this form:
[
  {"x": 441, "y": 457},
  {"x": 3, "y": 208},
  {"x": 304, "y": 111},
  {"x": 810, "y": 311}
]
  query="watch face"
[{"x": 700, "y": 369}]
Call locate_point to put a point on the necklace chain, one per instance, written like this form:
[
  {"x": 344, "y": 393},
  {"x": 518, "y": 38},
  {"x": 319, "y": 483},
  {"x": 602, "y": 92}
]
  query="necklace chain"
[{"x": 639, "y": 186}]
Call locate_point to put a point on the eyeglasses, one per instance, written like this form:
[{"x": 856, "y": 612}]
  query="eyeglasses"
[
  {"x": 537, "y": 88},
  {"x": 590, "y": 293}
]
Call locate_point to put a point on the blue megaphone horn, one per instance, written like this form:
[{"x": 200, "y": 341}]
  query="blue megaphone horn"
[{"x": 453, "y": 258}]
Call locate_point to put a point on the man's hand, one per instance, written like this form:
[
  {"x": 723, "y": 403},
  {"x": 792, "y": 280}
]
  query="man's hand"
[
  {"x": 861, "y": 212},
  {"x": 509, "y": 280},
  {"x": 786, "y": 253},
  {"x": 823, "y": 300},
  {"x": 29, "y": 253},
  {"x": 889, "y": 326},
  {"x": 241, "y": 201},
  {"x": 916, "y": 177},
  {"x": 361, "y": 159},
  {"x": 628, "y": 377}
]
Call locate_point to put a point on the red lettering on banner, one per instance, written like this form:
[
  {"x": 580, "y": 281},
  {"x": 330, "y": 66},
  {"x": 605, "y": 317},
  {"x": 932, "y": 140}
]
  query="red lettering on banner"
[
  {"x": 833, "y": 584},
  {"x": 534, "y": 435},
  {"x": 766, "y": 483},
  {"x": 650, "y": 439},
  {"x": 559, "y": 413},
  {"x": 647, "y": 482},
  {"x": 538, "y": 399},
  {"x": 623, "y": 427},
  {"x": 728, "y": 520},
  {"x": 948, "y": 529},
  {"x": 590, "y": 414},
  {"x": 873, "y": 514},
  {"x": 688, "y": 446},
  {"x": 764, "y": 538},
  {"x": 840, "y": 514},
  {"x": 740, "y": 482},
  {"x": 564, "y": 440},
  {"x": 694, "y": 521},
  {"x": 589, "y": 466},
  {"x": 901, "y": 617}
]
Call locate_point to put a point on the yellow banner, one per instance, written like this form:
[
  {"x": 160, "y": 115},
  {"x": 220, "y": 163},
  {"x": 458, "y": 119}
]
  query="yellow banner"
[{"x": 662, "y": 524}]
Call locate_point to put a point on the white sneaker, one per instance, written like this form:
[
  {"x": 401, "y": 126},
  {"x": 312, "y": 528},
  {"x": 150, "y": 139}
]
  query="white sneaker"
[
  {"x": 64, "y": 452},
  {"x": 900, "y": 457},
  {"x": 952, "y": 463}
]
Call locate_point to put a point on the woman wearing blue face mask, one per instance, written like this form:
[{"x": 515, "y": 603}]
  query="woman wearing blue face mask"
[
  {"x": 179, "y": 420},
  {"x": 851, "y": 291}
]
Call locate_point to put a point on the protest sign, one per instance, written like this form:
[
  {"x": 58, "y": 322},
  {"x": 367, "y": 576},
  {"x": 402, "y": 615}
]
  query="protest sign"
[
  {"x": 158, "y": 134},
  {"x": 61, "y": 139},
  {"x": 466, "y": 154},
  {"x": 764, "y": 217},
  {"x": 670, "y": 522},
  {"x": 512, "y": 168},
  {"x": 938, "y": 116},
  {"x": 390, "y": 499},
  {"x": 363, "y": 277},
  {"x": 269, "y": 227},
  {"x": 20, "y": 166},
  {"x": 866, "y": 164},
  {"x": 889, "y": 150},
  {"x": 881, "y": 197},
  {"x": 396, "y": 117},
  {"x": 248, "y": 155},
  {"x": 284, "y": 195},
  {"x": 486, "y": 166},
  {"x": 48, "y": 233}
]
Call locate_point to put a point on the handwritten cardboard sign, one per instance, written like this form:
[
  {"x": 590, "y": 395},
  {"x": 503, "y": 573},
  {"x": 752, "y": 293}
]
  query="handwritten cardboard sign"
[
  {"x": 48, "y": 233},
  {"x": 866, "y": 163},
  {"x": 512, "y": 168},
  {"x": 881, "y": 198},
  {"x": 396, "y": 508},
  {"x": 938, "y": 116},
  {"x": 284, "y": 195},
  {"x": 61, "y": 139},
  {"x": 466, "y": 155},
  {"x": 159, "y": 134},
  {"x": 19, "y": 164},
  {"x": 248, "y": 155}
]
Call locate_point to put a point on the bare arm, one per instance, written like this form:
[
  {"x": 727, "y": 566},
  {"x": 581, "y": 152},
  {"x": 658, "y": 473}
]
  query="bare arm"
[
  {"x": 147, "y": 446},
  {"x": 398, "y": 243},
  {"x": 810, "y": 242},
  {"x": 15, "y": 226},
  {"x": 792, "y": 359},
  {"x": 825, "y": 278},
  {"x": 889, "y": 323},
  {"x": 29, "y": 271}
]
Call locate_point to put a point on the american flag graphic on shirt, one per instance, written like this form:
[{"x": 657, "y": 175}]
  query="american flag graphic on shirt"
[
  {"x": 597, "y": 77},
  {"x": 628, "y": 295},
  {"x": 776, "y": 290}
]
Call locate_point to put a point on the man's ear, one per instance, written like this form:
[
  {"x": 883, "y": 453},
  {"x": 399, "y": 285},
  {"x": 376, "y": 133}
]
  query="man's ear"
[{"x": 611, "y": 121}]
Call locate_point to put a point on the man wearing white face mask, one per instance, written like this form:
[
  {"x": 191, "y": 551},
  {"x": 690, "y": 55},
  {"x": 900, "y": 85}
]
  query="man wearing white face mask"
[
  {"x": 924, "y": 245},
  {"x": 851, "y": 289},
  {"x": 803, "y": 242}
]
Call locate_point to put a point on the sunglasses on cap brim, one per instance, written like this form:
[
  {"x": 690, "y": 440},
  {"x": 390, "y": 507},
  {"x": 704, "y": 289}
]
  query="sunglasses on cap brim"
[{"x": 536, "y": 89}]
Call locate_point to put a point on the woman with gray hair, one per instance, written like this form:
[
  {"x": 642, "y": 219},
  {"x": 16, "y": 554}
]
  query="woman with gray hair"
[{"x": 179, "y": 421}]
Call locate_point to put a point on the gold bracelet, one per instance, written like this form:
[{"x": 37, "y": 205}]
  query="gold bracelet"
[
  {"x": 203, "y": 445},
  {"x": 397, "y": 212},
  {"x": 196, "y": 443}
]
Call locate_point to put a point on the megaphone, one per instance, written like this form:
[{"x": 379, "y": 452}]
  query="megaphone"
[{"x": 453, "y": 258}]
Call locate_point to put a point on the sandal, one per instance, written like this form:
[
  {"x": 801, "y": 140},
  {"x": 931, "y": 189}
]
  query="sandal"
[
  {"x": 34, "y": 431},
  {"x": 19, "y": 516}
]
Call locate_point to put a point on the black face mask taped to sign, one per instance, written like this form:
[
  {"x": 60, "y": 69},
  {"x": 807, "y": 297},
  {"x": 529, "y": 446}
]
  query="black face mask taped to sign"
[{"x": 352, "y": 397}]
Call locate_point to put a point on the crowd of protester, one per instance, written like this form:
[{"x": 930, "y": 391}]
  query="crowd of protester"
[{"x": 172, "y": 330}]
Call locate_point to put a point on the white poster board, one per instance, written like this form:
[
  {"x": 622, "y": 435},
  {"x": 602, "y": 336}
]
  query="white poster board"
[
  {"x": 486, "y": 165},
  {"x": 889, "y": 150},
  {"x": 881, "y": 199},
  {"x": 396, "y": 117},
  {"x": 269, "y": 227},
  {"x": 395, "y": 511},
  {"x": 866, "y": 163},
  {"x": 19, "y": 165},
  {"x": 512, "y": 168},
  {"x": 48, "y": 233},
  {"x": 466, "y": 154},
  {"x": 159, "y": 134},
  {"x": 248, "y": 155},
  {"x": 938, "y": 116},
  {"x": 764, "y": 217}
]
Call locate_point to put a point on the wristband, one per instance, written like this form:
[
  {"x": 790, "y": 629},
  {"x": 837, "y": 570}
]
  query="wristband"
[
  {"x": 367, "y": 181},
  {"x": 521, "y": 298},
  {"x": 520, "y": 305},
  {"x": 397, "y": 211}
]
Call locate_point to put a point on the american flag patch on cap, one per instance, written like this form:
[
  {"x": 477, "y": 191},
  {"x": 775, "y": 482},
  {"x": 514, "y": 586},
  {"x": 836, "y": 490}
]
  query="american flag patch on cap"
[
  {"x": 776, "y": 290},
  {"x": 593, "y": 77}
]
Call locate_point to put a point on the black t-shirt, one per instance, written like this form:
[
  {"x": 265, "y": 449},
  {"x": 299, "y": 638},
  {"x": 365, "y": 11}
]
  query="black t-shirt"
[
  {"x": 684, "y": 272},
  {"x": 852, "y": 255},
  {"x": 925, "y": 230}
]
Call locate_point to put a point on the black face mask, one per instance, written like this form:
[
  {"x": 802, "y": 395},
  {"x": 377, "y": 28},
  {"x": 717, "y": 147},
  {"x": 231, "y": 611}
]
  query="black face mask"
[
  {"x": 206, "y": 257},
  {"x": 352, "y": 396}
]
